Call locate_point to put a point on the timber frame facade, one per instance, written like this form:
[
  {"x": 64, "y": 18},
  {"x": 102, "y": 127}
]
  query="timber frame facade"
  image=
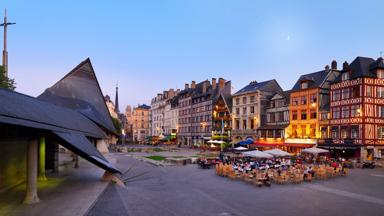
[{"x": 357, "y": 110}]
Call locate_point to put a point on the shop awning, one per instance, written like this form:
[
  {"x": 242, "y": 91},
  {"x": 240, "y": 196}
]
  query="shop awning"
[
  {"x": 339, "y": 146},
  {"x": 274, "y": 145},
  {"x": 79, "y": 144}
]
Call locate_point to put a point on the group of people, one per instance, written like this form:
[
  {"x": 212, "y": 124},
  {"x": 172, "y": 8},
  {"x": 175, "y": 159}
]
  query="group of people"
[{"x": 279, "y": 170}]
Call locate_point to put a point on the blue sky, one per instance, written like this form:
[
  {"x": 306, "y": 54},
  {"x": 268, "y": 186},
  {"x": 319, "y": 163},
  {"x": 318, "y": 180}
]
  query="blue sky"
[{"x": 149, "y": 46}]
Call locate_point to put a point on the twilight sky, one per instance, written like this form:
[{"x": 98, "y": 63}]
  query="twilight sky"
[{"x": 148, "y": 46}]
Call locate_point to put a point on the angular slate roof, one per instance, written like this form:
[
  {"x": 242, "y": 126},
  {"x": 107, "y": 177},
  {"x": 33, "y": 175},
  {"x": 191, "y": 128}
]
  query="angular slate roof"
[
  {"x": 37, "y": 112},
  {"x": 361, "y": 67},
  {"x": 66, "y": 124},
  {"x": 315, "y": 79},
  {"x": 269, "y": 86},
  {"x": 80, "y": 90},
  {"x": 144, "y": 106}
]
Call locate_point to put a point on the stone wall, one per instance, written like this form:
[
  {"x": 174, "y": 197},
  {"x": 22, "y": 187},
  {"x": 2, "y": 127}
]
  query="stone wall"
[{"x": 12, "y": 161}]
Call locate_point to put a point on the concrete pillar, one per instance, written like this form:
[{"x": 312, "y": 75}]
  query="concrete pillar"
[
  {"x": 31, "y": 195},
  {"x": 42, "y": 176}
]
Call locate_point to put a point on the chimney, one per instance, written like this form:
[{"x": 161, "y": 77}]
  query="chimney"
[
  {"x": 334, "y": 65},
  {"x": 186, "y": 86},
  {"x": 326, "y": 67},
  {"x": 171, "y": 93},
  {"x": 221, "y": 83},
  {"x": 193, "y": 85},
  {"x": 345, "y": 66},
  {"x": 213, "y": 83},
  {"x": 205, "y": 86}
]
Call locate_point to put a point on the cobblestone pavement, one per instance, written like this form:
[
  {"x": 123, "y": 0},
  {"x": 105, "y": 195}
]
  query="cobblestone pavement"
[{"x": 189, "y": 190}]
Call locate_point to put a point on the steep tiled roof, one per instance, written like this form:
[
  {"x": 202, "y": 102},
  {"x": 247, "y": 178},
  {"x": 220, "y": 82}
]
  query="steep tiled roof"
[
  {"x": 262, "y": 86},
  {"x": 315, "y": 79}
]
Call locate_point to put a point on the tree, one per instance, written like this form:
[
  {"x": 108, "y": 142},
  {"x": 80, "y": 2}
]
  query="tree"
[
  {"x": 117, "y": 124},
  {"x": 5, "y": 82}
]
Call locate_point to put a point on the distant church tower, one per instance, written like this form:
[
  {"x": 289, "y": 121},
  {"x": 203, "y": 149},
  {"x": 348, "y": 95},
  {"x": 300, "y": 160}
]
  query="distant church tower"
[
  {"x": 117, "y": 100},
  {"x": 5, "y": 24}
]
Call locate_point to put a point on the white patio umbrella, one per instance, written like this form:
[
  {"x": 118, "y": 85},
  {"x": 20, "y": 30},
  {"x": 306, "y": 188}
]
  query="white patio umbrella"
[
  {"x": 314, "y": 150},
  {"x": 211, "y": 141},
  {"x": 257, "y": 154},
  {"x": 240, "y": 148},
  {"x": 277, "y": 152}
]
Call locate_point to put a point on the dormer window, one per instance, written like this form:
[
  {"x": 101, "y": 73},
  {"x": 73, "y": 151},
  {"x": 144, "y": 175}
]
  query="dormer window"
[
  {"x": 304, "y": 85},
  {"x": 345, "y": 76},
  {"x": 380, "y": 74}
]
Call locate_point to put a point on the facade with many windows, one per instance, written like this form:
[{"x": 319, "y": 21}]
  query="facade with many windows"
[
  {"x": 356, "y": 124},
  {"x": 140, "y": 122},
  {"x": 249, "y": 108},
  {"x": 308, "y": 96}
]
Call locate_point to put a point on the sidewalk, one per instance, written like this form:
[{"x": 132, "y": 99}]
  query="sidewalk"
[{"x": 70, "y": 192}]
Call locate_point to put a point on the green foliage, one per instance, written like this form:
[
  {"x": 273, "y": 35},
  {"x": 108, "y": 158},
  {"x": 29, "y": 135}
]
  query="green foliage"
[
  {"x": 156, "y": 158},
  {"x": 117, "y": 125},
  {"x": 5, "y": 82}
]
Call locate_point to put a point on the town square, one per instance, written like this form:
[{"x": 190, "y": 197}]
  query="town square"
[{"x": 192, "y": 108}]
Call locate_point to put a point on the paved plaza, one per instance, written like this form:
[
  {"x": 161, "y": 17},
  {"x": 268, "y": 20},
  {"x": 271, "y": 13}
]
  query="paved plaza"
[{"x": 189, "y": 190}]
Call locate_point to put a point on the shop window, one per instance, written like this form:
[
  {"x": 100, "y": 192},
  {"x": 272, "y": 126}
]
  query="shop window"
[
  {"x": 252, "y": 123},
  {"x": 355, "y": 132},
  {"x": 313, "y": 131},
  {"x": 344, "y": 132},
  {"x": 335, "y": 132},
  {"x": 303, "y": 131},
  {"x": 324, "y": 134}
]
